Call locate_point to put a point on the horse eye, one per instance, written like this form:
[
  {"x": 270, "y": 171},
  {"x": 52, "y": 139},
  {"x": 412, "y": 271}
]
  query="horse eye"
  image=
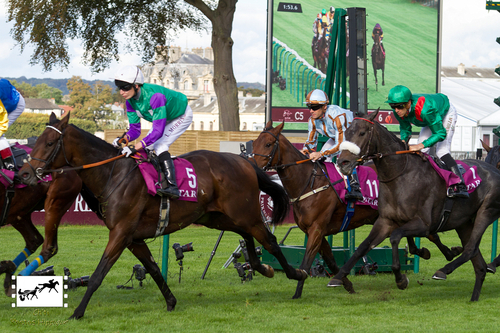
[
  {"x": 268, "y": 145},
  {"x": 361, "y": 133},
  {"x": 50, "y": 143}
]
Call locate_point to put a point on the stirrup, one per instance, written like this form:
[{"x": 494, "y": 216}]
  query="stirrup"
[
  {"x": 454, "y": 191},
  {"x": 170, "y": 191},
  {"x": 354, "y": 195}
]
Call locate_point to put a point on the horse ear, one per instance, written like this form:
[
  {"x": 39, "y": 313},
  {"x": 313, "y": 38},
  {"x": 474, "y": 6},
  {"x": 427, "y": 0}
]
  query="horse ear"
[
  {"x": 280, "y": 127},
  {"x": 53, "y": 118},
  {"x": 485, "y": 146},
  {"x": 269, "y": 125},
  {"x": 372, "y": 116},
  {"x": 64, "y": 122}
]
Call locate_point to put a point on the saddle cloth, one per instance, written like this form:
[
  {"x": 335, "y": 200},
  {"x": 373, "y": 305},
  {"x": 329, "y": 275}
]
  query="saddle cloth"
[
  {"x": 471, "y": 178},
  {"x": 368, "y": 183},
  {"x": 185, "y": 175}
]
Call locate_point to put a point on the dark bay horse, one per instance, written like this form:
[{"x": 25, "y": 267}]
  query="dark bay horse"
[
  {"x": 378, "y": 58},
  {"x": 493, "y": 158},
  {"x": 321, "y": 214},
  {"x": 228, "y": 199},
  {"x": 320, "y": 49},
  {"x": 56, "y": 197},
  {"x": 411, "y": 200}
]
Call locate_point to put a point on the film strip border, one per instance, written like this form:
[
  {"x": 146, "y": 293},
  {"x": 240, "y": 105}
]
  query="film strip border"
[{"x": 39, "y": 291}]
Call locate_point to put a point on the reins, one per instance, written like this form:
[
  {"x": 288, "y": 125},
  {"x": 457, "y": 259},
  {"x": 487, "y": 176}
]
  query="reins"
[{"x": 60, "y": 145}]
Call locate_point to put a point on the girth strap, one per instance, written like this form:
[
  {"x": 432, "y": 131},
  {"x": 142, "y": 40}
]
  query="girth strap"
[
  {"x": 308, "y": 194},
  {"x": 164, "y": 216},
  {"x": 445, "y": 213}
]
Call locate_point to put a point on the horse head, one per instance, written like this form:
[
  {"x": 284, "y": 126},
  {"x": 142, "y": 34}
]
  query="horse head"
[
  {"x": 47, "y": 151},
  {"x": 493, "y": 156},
  {"x": 266, "y": 147}
]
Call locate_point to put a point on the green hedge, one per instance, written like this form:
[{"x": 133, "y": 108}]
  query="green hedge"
[{"x": 32, "y": 124}]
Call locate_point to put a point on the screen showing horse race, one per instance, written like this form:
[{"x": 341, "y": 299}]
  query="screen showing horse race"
[{"x": 402, "y": 42}]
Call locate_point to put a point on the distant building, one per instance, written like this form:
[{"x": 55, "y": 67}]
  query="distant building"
[{"x": 42, "y": 105}]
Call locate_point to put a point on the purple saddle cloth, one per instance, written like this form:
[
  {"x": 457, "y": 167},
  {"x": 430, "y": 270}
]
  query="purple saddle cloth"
[{"x": 185, "y": 175}]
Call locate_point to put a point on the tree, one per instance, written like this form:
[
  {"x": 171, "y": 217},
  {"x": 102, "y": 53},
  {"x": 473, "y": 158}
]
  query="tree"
[{"x": 48, "y": 24}]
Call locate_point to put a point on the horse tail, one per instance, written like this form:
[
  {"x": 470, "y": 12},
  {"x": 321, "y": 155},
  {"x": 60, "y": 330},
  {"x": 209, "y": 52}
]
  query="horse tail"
[{"x": 276, "y": 192}]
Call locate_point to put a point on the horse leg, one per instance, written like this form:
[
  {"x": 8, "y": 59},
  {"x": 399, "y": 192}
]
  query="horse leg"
[
  {"x": 492, "y": 267},
  {"x": 401, "y": 279},
  {"x": 61, "y": 195},
  {"x": 327, "y": 254},
  {"x": 141, "y": 251},
  {"x": 379, "y": 232},
  {"x": 314, "y": 238},
  {"x": 447, "y": 252},
  {"x": 269, "y": 242},
  {"x": 116, "y": 244},
  {"x": 383, "y": 81},
  {"x": 470, "y": 235},
  {"x": 413, "y": 249}
]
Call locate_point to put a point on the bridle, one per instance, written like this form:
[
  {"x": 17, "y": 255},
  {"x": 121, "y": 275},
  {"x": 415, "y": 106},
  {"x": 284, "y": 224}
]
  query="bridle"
[
  {"x": 270, "y": 156},
  {"x": 42, "y": 170}
]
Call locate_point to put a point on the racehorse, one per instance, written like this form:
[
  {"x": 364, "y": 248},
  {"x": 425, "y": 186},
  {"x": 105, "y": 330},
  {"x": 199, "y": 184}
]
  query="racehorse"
[
  {"x": 228, "y": 199},
  {"x": 320, "y": 48},
  {"x": 51, "y": 285},
  {"x": 321, "y": 214},
  {"x": 493, "y": 158},
  {"x": 378, "y": 58},
  {"x": 411, "y": 200},
  {"x": 56, "y": 197}
]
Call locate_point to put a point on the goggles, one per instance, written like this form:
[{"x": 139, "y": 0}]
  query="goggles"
[
  {"x": 315, "y": 106},
  {"x": 397, "y": 105}
]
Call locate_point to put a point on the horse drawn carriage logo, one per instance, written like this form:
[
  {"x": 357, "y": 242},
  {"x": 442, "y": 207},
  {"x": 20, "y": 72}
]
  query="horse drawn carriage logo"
[{"x": 39, "y": 291}]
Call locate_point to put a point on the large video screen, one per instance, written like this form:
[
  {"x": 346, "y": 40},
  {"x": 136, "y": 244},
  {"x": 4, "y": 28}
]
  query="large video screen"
[{"x": 404, "y": 32}]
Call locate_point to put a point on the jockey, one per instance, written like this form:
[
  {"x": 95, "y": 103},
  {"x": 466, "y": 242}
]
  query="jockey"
[
  {"x": 331, "y": 121},
  {"x": 437, "y": 116},
  {"x": 167, "y": 109},
  {"x": 377, "y": 30},
  {"x": 11, "y": 106}
]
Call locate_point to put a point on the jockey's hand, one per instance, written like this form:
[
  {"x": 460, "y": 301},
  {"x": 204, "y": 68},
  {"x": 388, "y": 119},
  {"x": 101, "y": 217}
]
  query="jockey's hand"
[
  {"x": 315, "y": 155},
  {"x": 127, "y": 151},
  {"x": 417, "y": 147},
  {"x": 115, "y": 143}
]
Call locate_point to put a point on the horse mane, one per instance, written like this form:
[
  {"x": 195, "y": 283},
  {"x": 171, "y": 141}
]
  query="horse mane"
[{"x": 391, "y": 135}]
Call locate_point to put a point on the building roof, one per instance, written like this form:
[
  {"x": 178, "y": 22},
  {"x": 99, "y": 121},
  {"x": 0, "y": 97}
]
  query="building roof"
[
  {"x": 470, "y": 73},
  {"x": 193, "y": 59},
  {"x": 40, "y": 104}
]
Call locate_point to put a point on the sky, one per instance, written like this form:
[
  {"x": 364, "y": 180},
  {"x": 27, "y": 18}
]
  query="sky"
[{"x": 468, "y": 36}]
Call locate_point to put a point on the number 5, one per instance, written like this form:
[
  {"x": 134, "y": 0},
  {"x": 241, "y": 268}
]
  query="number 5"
[{"x": 192, "y": 177}]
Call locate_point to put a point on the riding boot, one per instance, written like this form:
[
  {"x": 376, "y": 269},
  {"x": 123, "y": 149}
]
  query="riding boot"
[
  {"x": 456, "y": 190},
  {"x": 167, "y": 167},
  {"x": 8, "y": 159},
  {"x": 355, "y": 192}
]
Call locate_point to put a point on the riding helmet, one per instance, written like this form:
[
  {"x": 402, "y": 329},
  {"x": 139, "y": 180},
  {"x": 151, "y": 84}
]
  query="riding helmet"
[
  {"x": 399, "y": 94},
  {"x": 317, "y": 96},
  {"x": 323, "y": 11},
  {"x": 129, "y": 75}
]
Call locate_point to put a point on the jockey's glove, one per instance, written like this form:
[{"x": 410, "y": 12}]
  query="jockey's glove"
[
  {"x": 115, "y": 143},
  {"x": 127, "y": 151}
]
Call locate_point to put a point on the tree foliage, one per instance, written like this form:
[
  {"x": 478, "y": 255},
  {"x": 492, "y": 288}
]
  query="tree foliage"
[
  {"x": 49, "y": 24},
  {"x": 39, "y": 91}
]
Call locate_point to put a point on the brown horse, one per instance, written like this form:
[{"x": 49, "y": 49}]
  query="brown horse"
[
  {"x": 56, "y": 197},
  {"x": 378, "y": 59},
  {"x": 411, "y": 200},
  {"x": 320, "y": 48},
  {"x": 321, "y": 214},
  {"x": 228, "y": 199}
]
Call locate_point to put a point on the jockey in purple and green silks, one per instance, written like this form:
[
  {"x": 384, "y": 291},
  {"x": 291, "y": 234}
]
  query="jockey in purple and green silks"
[
  {"x": 331, "y": 121},
  {"x": 437, "y": 117},
  {"x": 11, "y": 106},
  {"x": 167, "y": 109}
]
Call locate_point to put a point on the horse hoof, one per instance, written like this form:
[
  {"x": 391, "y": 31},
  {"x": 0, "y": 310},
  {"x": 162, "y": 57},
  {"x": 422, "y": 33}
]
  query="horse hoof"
[
  {"x": 404, "y": 283},
  {"x": 7, "y": 266},
  {"x": 348, "y": 286},
  {"x": 426, "y": 254},
  {"x": 439, "y": 276},
  {"x": 7, "y": 285},
  {"x": 335, "y": 283},
  {"x": 490, "y": 268},
  {"x": 268, "y": 270}
]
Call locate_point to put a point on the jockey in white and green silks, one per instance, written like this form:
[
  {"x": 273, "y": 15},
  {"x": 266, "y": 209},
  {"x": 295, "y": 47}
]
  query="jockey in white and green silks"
[{"x": 437, "y": 117}]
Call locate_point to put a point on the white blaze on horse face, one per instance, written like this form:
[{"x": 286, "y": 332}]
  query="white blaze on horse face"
[{"x": 350, "y": 146}]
